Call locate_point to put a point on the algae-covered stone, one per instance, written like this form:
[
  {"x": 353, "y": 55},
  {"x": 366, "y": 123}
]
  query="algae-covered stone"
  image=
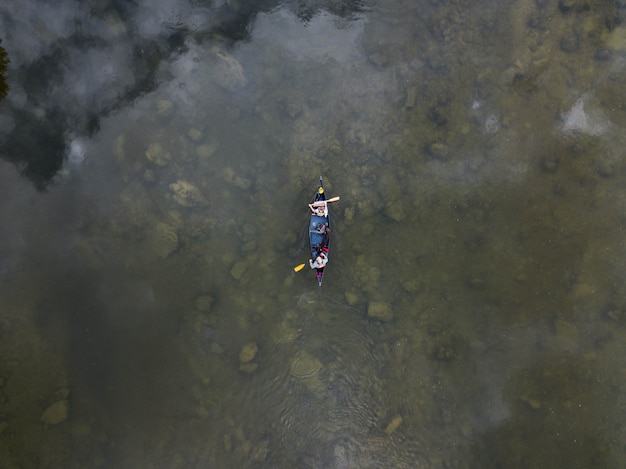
[
  {"x": 248, "y": 352},
  {"x": 186, "y": 194},
  {"x": 348, "y": 215},
  {"x": 617, "y": 39},
  {"x": 205, "y": 150},
  {"x": 352, "y": 298},
  {"x": 165, "y": 239},
  {"x": 249, "y": 246},
  {"x": 438, "y": 151},
  {"x": 227, "y": 71},
  {"x": 118, "y": 148},
  {"x": 249, "y": 367},
  {"x": 284, "y": 333},
  {"x": 165, "y": 108},
  {"x": 227, "y": 174},
  {"x": 304, "y": 365},
  {"x": 157, "y": 154},
  {"x": 194, "y": 134},
  {"x": 228, "y": 442},
  {"x": 444, "y": 353},
  {"x": 534, "y": 404},
  {"x": 203, "y": 303},
  {"x": 411, "y": 97},
  {"x": 56, "y": 413},
  {"x": 395, "y": 211},
  {"x": 260, "y": 450},
  {"x": 242, "y": 183},
  {"x": 393, "y": 425},
  {"x": 238, "y": 270},
  {"x": 565, "y": 330},
  {"x": 306, "y": 368},
  {"x": 380, "y": 310},
  {"x": 217, "y": 348}
]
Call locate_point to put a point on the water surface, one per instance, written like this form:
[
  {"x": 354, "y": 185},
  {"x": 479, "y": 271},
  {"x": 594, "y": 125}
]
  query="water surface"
[{"x": 158, "y": 157}]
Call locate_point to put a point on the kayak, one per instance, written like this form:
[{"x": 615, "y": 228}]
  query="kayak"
[{"x": 319, "y": 236}]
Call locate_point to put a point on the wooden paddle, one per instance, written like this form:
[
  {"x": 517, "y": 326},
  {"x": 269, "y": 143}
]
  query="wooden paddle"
[{"x": 321, "y": 202}]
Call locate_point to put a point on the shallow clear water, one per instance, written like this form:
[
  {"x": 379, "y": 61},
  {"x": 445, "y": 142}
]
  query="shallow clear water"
[{"x": 158, "y": 158}]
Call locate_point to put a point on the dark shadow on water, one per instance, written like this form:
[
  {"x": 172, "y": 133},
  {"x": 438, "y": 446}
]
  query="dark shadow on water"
[{"x": 37, "y": 145}]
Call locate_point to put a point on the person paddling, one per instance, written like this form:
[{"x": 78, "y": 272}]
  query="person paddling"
[
  {"x": 321, "y": 260},
  {"x": 319, "y": 208}
]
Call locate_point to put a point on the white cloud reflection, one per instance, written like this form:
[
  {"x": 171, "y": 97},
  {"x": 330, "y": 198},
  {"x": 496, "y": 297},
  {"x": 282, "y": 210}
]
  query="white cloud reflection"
[
  {"x": 319, "y": 38},
  {"x": 73, "y": 64}
]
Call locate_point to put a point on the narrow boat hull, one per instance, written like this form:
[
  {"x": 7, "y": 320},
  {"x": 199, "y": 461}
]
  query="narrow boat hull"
[{"x": 317, "y": 238}]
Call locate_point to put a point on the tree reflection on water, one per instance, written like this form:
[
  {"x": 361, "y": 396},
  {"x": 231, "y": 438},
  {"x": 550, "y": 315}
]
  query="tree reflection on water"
[
  {"x": 81, "y": 75},
  {"x": 4, "y": 64}
]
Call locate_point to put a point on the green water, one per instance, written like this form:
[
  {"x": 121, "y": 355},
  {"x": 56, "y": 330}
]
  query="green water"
[{"x": 472, "y": 312}]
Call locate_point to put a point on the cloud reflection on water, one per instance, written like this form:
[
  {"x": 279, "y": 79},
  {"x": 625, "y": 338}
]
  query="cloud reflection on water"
[{"x": 75, "y": 62}]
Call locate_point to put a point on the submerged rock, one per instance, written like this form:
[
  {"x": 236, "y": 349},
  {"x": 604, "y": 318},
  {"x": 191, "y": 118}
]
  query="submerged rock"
[
  {"x": 194, "y": 134},
  {"x": 395, "y": 211},
  {"x": 307, "y": 369},
  {"x": 394, "y": 424},
  {"x": 352, "y": 298},
  {"x": 205, "y": 150},
  {"x": 242, "y": 183},
  {"x": 444, "y": 353},
  {"x": 248, "y": 367},
  {"x": 56, "y": 413},
  {"x": 438, "y": 151},
  {"x": 260, "y": 451},
  {"x": 228, "y": 72},
  {"x": 248, "y": 352},
  {"x": 304, "y": 366},
  {"x": 238, "y": 270},
  {"x": 617, "y": 39},
  {"x": 284, "y": 333},
  {"x": 203, "y": 303},
  {"x": 186, "y": 194},
  {"x": 164, "y": 108},
  {"x": 158, "y": 155},
  {"x": 380, "y": 310},
  {"x": 165, "y": 239},
  {"x": 118, "y": 148}
]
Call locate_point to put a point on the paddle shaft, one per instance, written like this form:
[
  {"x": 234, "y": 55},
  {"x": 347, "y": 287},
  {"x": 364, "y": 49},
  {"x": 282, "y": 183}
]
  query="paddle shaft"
[{"x": 321, "y": 202}]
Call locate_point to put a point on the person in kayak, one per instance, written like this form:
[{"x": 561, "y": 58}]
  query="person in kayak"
[
  {"x": 325, "y": 229},
  {"x": 319, "y": 208},
  {"x": 321, "y": 260}
]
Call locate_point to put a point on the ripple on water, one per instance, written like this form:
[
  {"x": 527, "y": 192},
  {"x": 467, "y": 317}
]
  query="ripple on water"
[
  {"x": 304, "y": 365},
  {"x": 328, "y": 403}
]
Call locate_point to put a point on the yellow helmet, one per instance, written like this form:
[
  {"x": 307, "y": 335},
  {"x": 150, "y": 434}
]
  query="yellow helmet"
[{"x": 320, "y": 190}]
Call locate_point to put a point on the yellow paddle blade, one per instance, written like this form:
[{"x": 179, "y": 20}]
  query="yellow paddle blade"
[{"x": 298, "y": 268}]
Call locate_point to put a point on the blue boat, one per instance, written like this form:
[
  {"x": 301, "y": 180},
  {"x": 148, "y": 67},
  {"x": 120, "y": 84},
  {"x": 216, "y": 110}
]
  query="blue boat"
[{"x": 319, "y": 231}]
